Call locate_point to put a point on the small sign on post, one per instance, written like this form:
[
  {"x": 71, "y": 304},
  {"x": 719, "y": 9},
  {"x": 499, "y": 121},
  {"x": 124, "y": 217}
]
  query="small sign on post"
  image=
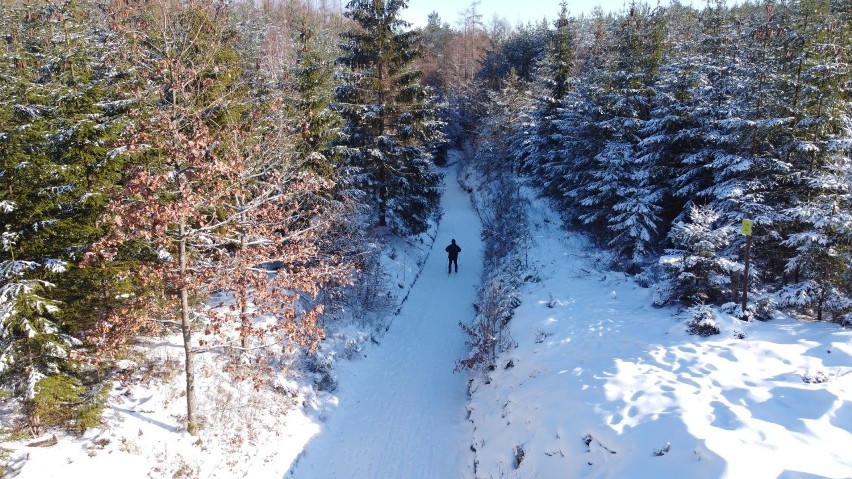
[{"x": 747, "y": 232}]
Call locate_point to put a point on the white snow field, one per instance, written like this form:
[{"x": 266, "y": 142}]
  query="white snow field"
[
  {"x": 401, "y": 410},
  {"x": 603, "y": 385}
]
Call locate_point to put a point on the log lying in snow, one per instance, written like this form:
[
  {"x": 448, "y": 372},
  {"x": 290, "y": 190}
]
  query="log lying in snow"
[{"x": 45, "y": 442}]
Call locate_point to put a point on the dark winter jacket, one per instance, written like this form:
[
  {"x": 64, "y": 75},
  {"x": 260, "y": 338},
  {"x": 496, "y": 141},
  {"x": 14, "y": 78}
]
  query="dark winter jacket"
[{"x": 453, "y": 249}]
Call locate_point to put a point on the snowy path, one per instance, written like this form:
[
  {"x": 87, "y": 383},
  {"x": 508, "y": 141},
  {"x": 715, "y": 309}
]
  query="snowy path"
[{"x": 401, "y": 413}]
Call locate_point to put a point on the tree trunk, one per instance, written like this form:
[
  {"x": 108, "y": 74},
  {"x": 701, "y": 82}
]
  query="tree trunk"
[
  {"x": 186, "y": 329},
  {"x": 735, "y": 287},
  {"x": 244, "y": 314},
  {"x": 383, "y": 196},
  {"x": 383, "y": 176}
]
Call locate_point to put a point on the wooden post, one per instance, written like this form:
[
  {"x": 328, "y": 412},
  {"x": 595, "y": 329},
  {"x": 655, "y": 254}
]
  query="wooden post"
[
  {"x": 735, "y": 287},
  {"x": 747, "y": 233},
  {"x": 745, "y": 272}
]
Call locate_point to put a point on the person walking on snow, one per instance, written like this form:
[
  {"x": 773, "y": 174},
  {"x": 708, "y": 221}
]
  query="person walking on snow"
[{"x": 453, "y": 250}]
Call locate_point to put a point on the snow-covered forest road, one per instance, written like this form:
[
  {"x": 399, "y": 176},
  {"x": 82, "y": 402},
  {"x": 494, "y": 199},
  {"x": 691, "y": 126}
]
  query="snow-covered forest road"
[{"x": 401, "y": 411}]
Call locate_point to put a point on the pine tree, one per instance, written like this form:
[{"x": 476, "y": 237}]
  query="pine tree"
[
  {"x": 697, "y": 270},
  {"x": 317, "y": 126},
  {"x": 392, "y": 123},
  {"x": 618, "y": 180},
  {"x": 816, "y": 82},
  {"x": 59, "y": 114},
  {"x": 539, "y": 144}
]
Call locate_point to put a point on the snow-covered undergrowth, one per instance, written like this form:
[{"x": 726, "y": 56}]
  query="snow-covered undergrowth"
[
  {"x": 248, "y": 429},
  {"x": 602, "y": 384},
  {"x": 504, "y": 222}
]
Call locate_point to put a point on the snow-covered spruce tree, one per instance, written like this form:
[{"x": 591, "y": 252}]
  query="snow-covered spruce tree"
[
  {"x": 206, "y": 201},
  {"x": 701, "y": 320},
  {"x": 673, "y": 132},
  {"x": 619, "y": 202},
  {"x": 539, "y": 143},
  {"x": 696, "y": 271},
  {"x": 749, "y": 173},
  {"x": 559, "y": 61},
  {"x": 576, "y": 123},
  {"x": 316, "y": 125},
  {"x": 704, "y": 100},
  {"x": 58, "y": 116},
  {"x": 503, "y": 123},
  {"x": 743, "y": 166},
  {"x": 822, "y": 265},
  {"x": 391, "y": 120},
  {"x": 578, "y": 138},
  {"x": 816, "y": 81},
  {"x": 497, "y": 170}
]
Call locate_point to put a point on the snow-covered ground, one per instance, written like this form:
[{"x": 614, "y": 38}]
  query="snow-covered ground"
[{"x": 601, "y": 384}]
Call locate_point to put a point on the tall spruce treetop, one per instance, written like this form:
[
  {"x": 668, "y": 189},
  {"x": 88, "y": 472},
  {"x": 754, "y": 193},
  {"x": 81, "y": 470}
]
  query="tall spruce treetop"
[
  {"x": 316, "y": 124},
  {"x": 542, "y": 139},
  {"x": 560, "y": 59},
  {"x": 392, "y": 122}
]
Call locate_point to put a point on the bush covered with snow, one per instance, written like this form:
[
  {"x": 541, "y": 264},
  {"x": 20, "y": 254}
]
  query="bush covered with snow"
[
  {"x": 819, "y": 299},
  {"x": 702, "y": 321},
  {"x": 694, "y": 269},
  {"x": 505, "y": 238}
]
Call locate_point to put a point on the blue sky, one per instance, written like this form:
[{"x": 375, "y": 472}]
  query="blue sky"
[{"x": 511, "y": 10}]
